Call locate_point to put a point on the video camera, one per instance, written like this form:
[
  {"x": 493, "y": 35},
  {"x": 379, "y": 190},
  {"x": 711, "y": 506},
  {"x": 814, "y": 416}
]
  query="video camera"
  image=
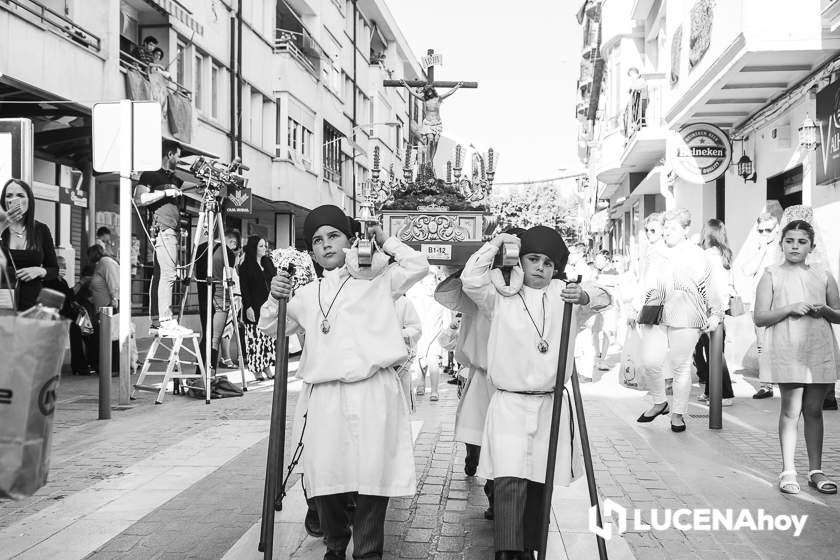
[{"x": 218, "y": 176}]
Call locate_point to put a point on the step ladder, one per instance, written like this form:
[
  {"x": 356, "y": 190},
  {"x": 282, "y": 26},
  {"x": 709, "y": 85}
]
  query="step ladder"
[{"x": 173, "y": 363}]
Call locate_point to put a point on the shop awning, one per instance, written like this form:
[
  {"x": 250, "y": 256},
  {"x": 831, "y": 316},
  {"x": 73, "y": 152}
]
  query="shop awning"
[{"x": 651, "y": 184}]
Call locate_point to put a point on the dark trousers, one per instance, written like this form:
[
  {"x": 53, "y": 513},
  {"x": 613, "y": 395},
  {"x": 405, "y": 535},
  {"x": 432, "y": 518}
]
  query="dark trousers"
[
  {"x": 80, "y": 362},
  {"x": 93, "y": 351},
  {"x": 368, "y": 524},
  {"x": 473, "y": 455},
  {"x": 518, "y": 507},
  {"x": 701, "y": 362}
]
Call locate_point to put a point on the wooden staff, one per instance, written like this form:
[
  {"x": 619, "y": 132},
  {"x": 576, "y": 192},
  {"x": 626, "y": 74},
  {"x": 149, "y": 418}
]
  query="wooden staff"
[
  {"x": 560, "y": 382},
  {"x": 587, "y": 463},
  {"x": 276, "y": 433}
]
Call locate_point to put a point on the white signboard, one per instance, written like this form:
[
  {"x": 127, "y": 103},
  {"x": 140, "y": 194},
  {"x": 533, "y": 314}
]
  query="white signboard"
[
  {"x": 6, "y": 155},
  {"x": 145, "y": 142},
  {"x": 439, "y": 252}
]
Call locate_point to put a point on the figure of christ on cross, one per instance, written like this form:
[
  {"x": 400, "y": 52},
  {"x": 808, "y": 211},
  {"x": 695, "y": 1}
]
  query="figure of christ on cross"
[{"x": 426, "y": 92}]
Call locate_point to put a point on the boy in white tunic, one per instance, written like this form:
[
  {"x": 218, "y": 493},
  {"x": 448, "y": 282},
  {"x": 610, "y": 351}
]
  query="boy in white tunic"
[
  {"x": 357, "y": 438},
  {"x": 523, "y": 351}
]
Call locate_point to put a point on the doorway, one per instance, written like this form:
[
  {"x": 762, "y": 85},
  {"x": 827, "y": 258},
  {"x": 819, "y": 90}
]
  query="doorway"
[{"x": 786, "y": 187}]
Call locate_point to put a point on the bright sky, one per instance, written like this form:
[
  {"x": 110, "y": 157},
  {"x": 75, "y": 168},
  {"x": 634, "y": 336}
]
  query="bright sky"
[{"x": 525, "y": 57}]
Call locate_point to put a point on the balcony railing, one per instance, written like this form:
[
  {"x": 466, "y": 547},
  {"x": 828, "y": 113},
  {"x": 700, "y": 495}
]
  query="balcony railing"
[
  {"x": 644, "y": 109},
  {"x": 300, "y": 46},
  {"x": 129, "y": 62},
  {"x": 40, "y": 15}
]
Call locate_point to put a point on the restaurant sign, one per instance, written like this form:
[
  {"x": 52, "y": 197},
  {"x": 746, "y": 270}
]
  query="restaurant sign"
[
  {"x": 828, "y": 120},
  {"x": 703, "y": 153}
]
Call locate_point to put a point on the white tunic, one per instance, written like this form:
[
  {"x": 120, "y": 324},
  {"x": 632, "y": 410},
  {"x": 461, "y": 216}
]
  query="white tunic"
[
  {"x": 358, "y": 433},
  {"x": 516, "y": 433},
  {"x": 471, "y": 352}
]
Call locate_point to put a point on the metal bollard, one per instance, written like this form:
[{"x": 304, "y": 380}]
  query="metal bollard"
[
  {"x": 716, "y": 379},
  {"x": 105, "y": 315}
]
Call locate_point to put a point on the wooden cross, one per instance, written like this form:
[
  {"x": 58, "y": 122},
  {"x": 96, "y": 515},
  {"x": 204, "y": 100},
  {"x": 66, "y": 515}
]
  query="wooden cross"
[{"x": 430, "y": 74}]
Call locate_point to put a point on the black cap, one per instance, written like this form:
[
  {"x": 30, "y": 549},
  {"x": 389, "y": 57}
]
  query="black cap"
[
  {"x": 326, "y": 215},
  {"x": 545, "y": 241}
]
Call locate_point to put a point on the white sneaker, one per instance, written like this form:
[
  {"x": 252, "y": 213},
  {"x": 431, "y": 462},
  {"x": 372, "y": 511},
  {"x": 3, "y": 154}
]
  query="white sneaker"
[
  {"x": 702, "y": 398},
  {"x": 170, "y": 327},
  {"x": 728, "y": 402}
]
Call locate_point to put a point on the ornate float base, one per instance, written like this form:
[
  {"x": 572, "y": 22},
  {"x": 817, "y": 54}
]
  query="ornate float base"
[{"x": 446, "y": 238}]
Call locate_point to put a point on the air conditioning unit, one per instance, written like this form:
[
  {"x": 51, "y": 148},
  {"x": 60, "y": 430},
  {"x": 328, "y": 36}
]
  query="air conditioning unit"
[{"x": 780, "y": 137}]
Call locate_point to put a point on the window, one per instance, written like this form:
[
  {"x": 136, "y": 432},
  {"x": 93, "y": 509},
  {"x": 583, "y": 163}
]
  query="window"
[
  {"x": 180, "y": 62},
  {"x": 198, "y": 89},
  {"x": 215, "y": 86},
  {"x": 256, "y": 118},
  {"x": 332, "y": 153}
]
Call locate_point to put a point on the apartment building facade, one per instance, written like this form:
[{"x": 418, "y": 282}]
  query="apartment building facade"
[
  {"x": 292, "y": 87},
  {"x": 754, "y": 70}
]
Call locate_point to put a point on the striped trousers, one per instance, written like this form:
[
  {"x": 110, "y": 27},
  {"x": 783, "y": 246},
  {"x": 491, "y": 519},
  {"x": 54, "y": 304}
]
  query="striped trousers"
[
  {"x": 368, "y": 524},
  {"x": 518, "y": 509}
]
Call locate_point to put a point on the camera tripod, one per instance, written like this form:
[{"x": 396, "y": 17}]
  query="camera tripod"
[{"x": 211, "y": 221}]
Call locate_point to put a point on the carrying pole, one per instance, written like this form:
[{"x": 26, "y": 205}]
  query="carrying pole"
[
  {"x": 560, "y": 382},
  {"x": 276, "y": 434},
  {"x": 587, "y": 463},
  {"x": 716, "y": 378}
]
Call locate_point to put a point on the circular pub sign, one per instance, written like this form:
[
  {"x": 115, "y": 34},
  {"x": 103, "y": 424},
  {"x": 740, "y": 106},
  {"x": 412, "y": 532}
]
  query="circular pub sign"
[{"x": 703, "y": 153}]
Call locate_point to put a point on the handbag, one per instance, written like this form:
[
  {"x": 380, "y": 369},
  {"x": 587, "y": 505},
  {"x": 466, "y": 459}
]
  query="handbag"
[
  {"x": 736, "y": 306},
  {"x": 83, "y": 322},
  {"x": 8, "y": 295},
  {"x": 650, "y": 315}
]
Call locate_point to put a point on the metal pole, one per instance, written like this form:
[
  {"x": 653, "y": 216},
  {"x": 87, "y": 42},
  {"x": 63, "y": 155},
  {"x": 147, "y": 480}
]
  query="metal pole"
[
  {"x": 276, "y": 434},
  {"x": 559, "y": 383},
  {"x": 105, "y": 314},
  {"x": 126, "y": 166},
  {"x": 716, "y": 378},
  {"x": 208, "y": 330},
  {"x": 587, "y": 463}
]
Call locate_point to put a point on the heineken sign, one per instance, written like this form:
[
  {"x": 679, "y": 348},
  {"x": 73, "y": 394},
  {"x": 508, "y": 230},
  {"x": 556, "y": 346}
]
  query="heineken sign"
[{"x": 703, "y": 153}]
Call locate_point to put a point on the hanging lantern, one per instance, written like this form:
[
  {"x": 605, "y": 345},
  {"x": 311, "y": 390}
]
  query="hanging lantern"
[
  {"x": 808, "y": 134},
  {"x": 746, "y": 169}
]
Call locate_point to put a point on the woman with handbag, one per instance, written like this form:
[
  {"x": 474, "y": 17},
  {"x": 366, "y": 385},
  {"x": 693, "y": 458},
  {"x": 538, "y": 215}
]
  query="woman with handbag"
[
  {"x": 27, "y": 246},
  {"x": 690, "y": 304},
  {"x": 255, "y": 275},
  {"x": 716, "y": 246}
]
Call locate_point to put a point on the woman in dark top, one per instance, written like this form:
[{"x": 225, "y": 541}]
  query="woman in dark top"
[
  {"x": 27, "y": 244},
  {"x": 255, "y": 276}
]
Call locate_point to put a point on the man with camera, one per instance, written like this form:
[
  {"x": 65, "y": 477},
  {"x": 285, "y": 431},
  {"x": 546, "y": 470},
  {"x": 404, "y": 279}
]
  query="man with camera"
[{"x": 159, "y": 191}]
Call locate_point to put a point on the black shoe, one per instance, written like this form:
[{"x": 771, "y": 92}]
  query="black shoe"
[
  {"x": 763, "y": 393},
  {"x": 830, "y": 404},
  {"x": 489, "y": 514},
  {"x": 312, "y": 524},
  {"x": 469, "y": 470},
  {"x": 335, "y": 555},
  {"x": 453, "y": 381},
  {"x": 645, "y": 419},
  {"x": 678, "y": 429},
  {"x": 506, "y": 555}
]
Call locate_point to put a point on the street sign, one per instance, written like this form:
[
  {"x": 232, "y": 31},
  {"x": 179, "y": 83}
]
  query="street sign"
[{"x": 145, "y": 142}]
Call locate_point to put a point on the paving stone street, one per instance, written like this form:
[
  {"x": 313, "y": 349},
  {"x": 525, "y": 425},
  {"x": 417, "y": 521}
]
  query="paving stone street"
[{"x": 185, "y": 480}]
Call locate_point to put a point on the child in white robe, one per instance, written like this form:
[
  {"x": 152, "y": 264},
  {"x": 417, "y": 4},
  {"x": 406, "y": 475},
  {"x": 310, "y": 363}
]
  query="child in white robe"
[
  {"x": 412, "y": 330},
  {"x": 523, "y": 352},
  {"x": 357, "y": 440}
]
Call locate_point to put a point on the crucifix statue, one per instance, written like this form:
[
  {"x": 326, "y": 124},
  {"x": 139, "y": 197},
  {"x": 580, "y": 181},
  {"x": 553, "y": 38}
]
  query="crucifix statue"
[{"x": 426, "y": 92}]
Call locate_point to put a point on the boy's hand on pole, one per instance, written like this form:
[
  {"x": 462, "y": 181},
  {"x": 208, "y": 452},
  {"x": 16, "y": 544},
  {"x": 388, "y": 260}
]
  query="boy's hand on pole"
[
  {"x": 375, "y": 232},
  {"x": 573, "y": 293},
  {"x": 281, "y": 285}
]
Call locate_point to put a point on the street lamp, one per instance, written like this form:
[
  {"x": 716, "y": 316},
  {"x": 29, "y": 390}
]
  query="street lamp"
[{"x": 808, "y": 134}]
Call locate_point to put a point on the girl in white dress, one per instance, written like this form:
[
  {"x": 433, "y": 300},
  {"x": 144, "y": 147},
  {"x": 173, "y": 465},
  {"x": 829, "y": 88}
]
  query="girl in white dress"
[{"x": 797, "y": 302}]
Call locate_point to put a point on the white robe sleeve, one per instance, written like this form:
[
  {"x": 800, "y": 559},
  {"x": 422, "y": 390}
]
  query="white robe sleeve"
[
  {"x": 268, "y": 316},
  {"x": 412, "y": 327},
  {"x": 476, "y": 278},
  {"x": 411, "y": 266}
]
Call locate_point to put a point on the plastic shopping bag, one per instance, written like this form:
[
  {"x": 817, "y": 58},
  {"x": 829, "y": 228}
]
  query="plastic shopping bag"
[
  {"x": 632, "y": 368},
  {"x": 31, "y": 354}
]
